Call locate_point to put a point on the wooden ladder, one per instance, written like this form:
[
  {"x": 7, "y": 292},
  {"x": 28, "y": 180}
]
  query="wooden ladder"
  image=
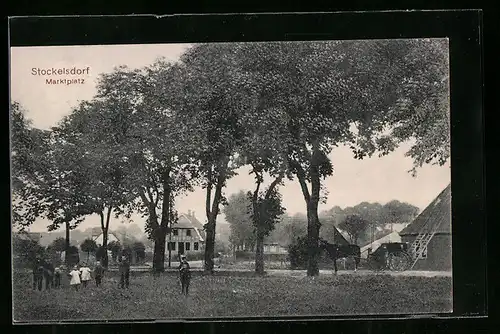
[{"x": 420, "y": 243}]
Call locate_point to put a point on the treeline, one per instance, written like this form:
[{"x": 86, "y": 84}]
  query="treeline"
[
  {"x": 357, "y": 223},
  {"x": 154, "y": 133}
]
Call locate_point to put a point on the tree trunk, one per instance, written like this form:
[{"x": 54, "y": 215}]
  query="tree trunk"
[
  {"x": 212, "y": 211},
  {"x": 170, "y": 249},
  {"x": 160, "y": 235},
  {"x": 313, "y": 224},
  {"x": 259, "y": 254},
  {"x": 159, "y": 253},
  {"x": 210, "y": 245},
  {"x": 312, "y": 239},
  {"x": 67, "y": 245},
  {"x": 105, "y": 229}
]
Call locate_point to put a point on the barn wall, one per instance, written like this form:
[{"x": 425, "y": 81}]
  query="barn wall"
[{"x": 438, "y": 253}]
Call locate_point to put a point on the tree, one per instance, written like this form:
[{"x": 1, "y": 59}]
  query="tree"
[
  {"x": 266, "y": 211},
  {"x": 88, "y": 246},
  {"x": 27, "y": 250},
  {"x": 139, "y": 250},
  {"x": 354, "y": 226},
  {"x": 115, "y": 247},
  {"x": 240, "y": 221},
  {"x": 354, "y": 93},
  {"x": 397, "y": 212},
  {"x": 97, "y": 130},
  {"x": 47, "y": 177},
  {"x": 212, "y": 103},
  {"x": 158, "y": 145}
]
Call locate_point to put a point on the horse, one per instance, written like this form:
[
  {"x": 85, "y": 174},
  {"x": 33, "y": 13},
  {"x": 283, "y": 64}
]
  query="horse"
[{"x": 341, "y": 251}]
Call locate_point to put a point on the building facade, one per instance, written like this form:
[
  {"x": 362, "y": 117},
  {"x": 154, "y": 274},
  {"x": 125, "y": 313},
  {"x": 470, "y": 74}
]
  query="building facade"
[
  {"x": 437, "y": 255},
  {"x": 187, "y": 235}
]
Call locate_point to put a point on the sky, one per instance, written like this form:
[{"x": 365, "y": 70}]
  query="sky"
[{"x": 373, "y": 179}]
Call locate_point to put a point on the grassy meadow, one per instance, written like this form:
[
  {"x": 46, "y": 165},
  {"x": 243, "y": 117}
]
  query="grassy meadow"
[{"x": 150, "y": 297}]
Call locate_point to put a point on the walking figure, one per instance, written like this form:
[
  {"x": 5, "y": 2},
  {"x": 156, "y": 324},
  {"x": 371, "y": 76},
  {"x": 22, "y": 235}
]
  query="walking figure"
[
  {"x": 85, "y": 274},
  {"x": 124, "y": 272},
  {"x": 185, "y": 275},
  {"x": 57, "y": 277},
  {"x": 98, "y": 273},
  {"x": 75, "y": 278}
]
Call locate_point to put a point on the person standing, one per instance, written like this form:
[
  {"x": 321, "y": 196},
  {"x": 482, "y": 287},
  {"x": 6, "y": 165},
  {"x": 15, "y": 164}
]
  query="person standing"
[
  {"x": 98, "y": 273},
  {"x": 38, "y": 274},
  {"x": 57, "y": 277},
  {"x": 124, "y": 271},
  {"x": 184, "y": 274},
  {"x": 48, "y": 273},
  {"x": 75, "y": 278},
  {"x": 85, "y": 275}
]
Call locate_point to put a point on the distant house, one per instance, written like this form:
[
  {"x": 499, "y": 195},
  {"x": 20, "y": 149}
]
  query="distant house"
[
  {"x": 99, "y": 239},
  {"x": 36, "y": 237},
  {"x": 274, "y": 248},
  {"x": 187, "y": 235},
  {"x": 436, "y": 217}
]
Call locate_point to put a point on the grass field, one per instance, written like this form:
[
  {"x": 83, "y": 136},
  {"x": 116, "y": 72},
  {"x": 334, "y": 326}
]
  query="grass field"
[{"x": 226, "y": 296}]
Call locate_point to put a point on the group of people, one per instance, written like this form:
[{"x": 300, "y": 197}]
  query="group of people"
[
  {"x": 79, "y": 275},
  {"x": 82, "y": 275}
]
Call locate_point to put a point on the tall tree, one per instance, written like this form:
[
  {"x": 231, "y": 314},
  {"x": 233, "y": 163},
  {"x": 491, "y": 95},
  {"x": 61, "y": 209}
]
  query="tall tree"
[
  {"x": 48, "y": 177},
  {"x": 212, "y": 105},
  {"x": 240, "y": 221},
  {"x": 88, "y": 246},
  {"x": 98, "y": 130},
  {"x": 350, "y": 92},
  {"x": 160, "y": 146}
]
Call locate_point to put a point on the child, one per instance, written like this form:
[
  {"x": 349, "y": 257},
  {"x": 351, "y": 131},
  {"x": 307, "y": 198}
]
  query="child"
[
  {"x": 98, "y": 273},
  {"x": 85, "y": 274},
  {"x": 185, "y": 274},
  {"x": 57, "y": 277},
  {"x": 75, "y": 278}
]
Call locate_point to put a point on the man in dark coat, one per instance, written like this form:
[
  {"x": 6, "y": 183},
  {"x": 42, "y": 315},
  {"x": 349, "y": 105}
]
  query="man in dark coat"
[
  {"x": 38, "y": 273},
  {"x": 48, "y": 274},
  {"x": 124, "y": 271},
  {"x": 98, "y": 273},
  {"x": 184, "y": 275}
]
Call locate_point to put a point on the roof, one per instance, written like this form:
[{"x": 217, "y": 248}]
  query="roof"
[
  {"x": 391, "y": 237},
  {"x": 189, "y": 220},
  {"x": 100, "y": 238},
  {"x": 30, "y": 236},
  {"x": 438, "y": 212}
]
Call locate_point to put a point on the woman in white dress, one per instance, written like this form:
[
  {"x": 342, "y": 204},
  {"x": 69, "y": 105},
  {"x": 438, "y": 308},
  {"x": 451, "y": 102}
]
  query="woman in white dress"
[
  {"x": 75, "y": 278},
  {"x": 85, "y": 274}
]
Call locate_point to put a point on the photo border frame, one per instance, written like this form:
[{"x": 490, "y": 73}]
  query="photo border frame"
[{"x": 462, "y": 27}]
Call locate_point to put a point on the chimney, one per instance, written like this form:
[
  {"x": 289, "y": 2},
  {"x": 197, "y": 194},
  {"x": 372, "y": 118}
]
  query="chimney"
[
  {"x": 189, "y": 213},
  {"x": 192, "y": 214}
]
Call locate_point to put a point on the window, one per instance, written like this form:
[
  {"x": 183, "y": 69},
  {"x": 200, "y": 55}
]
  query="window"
[
  {"x": 171, "y": 246},
  {"x": 188, "y": 246},
  {"x": 195, "y": 246},
  {"x": 175, "y": 232},
  {"x": 188, "y": 233}
]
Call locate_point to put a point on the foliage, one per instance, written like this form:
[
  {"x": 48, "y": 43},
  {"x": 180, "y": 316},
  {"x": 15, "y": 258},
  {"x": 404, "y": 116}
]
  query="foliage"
[
  {"x": 297, "y": 253},
  {"x": 27, "y": 250},
  {"x": 240, "y": 221},
  {"x": 354, "y": 226},
  {"x": 88, "y": 246},
  {"x": 58, "y": 244},
  {"x": 115, "y": 247}
]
